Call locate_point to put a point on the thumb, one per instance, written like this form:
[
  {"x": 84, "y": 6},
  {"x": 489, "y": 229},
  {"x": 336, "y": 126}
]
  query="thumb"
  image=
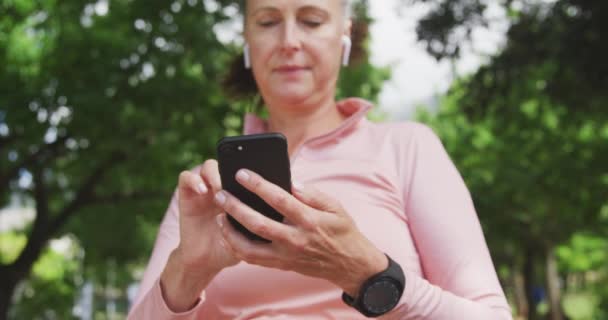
[{"x": 314, "y": 198}]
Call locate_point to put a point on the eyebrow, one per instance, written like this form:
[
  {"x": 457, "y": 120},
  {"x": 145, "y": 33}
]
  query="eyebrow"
[
  {"x": 303, "y": 8},
  {"x": 266, "y": 8},
  {"x": 309, "y": 8}
]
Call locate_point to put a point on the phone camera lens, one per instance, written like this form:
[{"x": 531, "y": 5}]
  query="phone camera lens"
[{"x": 227, "y": 149}]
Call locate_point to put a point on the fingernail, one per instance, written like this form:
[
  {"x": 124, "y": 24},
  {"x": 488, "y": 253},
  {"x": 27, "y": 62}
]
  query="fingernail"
[
  {"x": 220, "y": 198},
  {"x": 242, "y": 175},
  {"x": 297, "y": 186},
  {"x": 202, "y": 188},
  {"x": 219, "y": 221}
]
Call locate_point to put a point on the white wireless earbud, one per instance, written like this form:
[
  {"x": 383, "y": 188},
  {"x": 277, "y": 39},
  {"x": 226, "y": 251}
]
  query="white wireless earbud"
[
  {"x": 347, "y": 45},
  {"x": 246, "y": 56}
]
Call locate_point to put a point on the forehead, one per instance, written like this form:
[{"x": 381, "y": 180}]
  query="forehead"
[{"x": 329, "y": 5}]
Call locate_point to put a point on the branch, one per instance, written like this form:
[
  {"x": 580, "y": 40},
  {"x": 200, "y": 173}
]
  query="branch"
[
  {"x": 48, "y": 150},
  {"x": 125, "y": 197},
  {"x": 41, "y": 196},
  {"x": 4, "y": 141},
  {"x": 38, "y": 235},
  {"x": 44, "y": 228},
  {"x": 85, "y": 193}
]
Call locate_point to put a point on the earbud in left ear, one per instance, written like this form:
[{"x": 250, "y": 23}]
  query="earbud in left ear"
[
  {"x": 246, "y": 56},
  {"x": 347, "y": 45}
]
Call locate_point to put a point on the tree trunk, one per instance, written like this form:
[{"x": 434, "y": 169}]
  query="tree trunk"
[
  {"x": 44, "y": 227},
  {"x": 554, "y": 293},
  {"x": 519, "y": 287},
  {"x": 529, "y": 275},
  {"x": 8, "y": 283},
  {"x": 12, "y": 274}
]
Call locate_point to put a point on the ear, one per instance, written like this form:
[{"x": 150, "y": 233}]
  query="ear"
[
  {"x": 245, "y": 33},
  {"x": 348, "y": 28}
]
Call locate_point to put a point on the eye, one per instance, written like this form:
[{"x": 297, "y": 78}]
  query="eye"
[
  {"x": 312, "y": 23},
  {"x": 267, "y": 23}
]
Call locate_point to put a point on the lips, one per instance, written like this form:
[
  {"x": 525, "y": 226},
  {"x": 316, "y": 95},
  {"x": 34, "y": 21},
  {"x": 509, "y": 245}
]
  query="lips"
[{"x": 290, "y": 69}]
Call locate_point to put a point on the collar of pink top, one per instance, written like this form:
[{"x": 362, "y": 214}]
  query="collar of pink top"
[{"x": 354, "y": 109}]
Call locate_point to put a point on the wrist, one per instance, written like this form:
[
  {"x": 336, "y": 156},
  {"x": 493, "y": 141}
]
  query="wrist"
[
  {"x": 182, "y": 286},
  {"x": 197, "y": 266},
  {"x": 372, "y": 264}
]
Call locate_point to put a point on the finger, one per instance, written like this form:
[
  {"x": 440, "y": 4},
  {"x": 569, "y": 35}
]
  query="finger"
[
  {"x": 275, "y": 196},
  {"x": 252, "y": 220},
  {"x": 244, "y": 249},
  {"x": 211, "y": 175},
  {"x": 190, "y": 184},
  {"x": 315, "y": 198}
]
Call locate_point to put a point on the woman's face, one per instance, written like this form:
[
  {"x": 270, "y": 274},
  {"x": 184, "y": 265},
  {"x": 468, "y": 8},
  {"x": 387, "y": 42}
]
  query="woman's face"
[{"x": 295, "y": 47}]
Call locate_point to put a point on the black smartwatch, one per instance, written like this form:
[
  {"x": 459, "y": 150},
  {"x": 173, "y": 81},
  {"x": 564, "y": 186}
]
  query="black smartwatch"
[{"x": 380, "y": 293}]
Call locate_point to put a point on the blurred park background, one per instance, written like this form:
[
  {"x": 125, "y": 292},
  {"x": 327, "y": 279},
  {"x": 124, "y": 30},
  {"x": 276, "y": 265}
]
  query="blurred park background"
[{"x": 103, "y": 103}]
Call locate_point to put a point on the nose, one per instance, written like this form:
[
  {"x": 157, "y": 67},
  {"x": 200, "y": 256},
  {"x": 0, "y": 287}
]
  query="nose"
[{"x": 290, "y": 38}]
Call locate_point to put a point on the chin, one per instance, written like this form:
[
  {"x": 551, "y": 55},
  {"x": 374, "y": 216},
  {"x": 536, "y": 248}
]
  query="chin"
[{"x": 292, "y": 95}]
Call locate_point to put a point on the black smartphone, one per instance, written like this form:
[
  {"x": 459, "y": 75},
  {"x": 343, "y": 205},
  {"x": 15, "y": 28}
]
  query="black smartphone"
[{"x": 265, "y": 154}]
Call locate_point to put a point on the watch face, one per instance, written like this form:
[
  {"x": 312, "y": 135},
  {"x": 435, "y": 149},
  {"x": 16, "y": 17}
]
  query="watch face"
[{"x": 381, "y": 296}]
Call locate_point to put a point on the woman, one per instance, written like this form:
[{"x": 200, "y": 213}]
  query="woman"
[{"x": 380, "y": 222}]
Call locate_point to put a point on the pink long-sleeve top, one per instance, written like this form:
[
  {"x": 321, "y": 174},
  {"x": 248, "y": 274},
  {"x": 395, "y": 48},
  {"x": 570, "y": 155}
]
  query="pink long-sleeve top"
[{"x": 400, "y": 186}]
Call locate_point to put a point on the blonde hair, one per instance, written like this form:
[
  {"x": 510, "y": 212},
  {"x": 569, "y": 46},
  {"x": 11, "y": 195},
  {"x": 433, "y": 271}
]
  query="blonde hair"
[
  {"x": 346, "y": 4},
  {"x": 348, "y": 9}
]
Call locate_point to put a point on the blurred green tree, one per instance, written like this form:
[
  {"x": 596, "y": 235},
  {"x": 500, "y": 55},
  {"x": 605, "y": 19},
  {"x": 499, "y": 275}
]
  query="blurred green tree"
[
  {"x": 529, "y": 130},
  {"x": 102, "y": 104}
]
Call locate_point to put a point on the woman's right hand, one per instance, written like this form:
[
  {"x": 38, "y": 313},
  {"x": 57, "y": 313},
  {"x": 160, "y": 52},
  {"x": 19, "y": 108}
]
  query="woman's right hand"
[
  {"x": 200, "y": 254},
  {"x": 201, "y": 247}
]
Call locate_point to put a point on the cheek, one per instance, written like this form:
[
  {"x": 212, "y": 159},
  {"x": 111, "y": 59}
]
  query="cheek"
[
  {"x": 326, "y": 58},
  {"x": 261, "y": 54},
  {"x": 261, "y": 59}
]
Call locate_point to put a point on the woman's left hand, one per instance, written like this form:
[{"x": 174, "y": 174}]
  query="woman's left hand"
[{"x": 318, "y": 238}]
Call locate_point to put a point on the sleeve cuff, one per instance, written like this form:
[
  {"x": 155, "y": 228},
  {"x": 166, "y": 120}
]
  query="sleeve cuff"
[
  {"x": 160, "y": 301},
  {"x": 154, "y": 306}
]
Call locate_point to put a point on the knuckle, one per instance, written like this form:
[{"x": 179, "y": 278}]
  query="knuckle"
[
  {"x": 256, "y": 182},
  {"x": 209, "y": 163},
  {"x": 209, "y": 168},
  {"x": 282, "y": 201},
  {"x": 299, "y": 244},
  {"x": 231, "y": 205},
  {"x": 204, "y": 169},
  {"x": 260, "y": 228},
  {"x": 308, "y": 222},
  {"x": 281, "y": 237},
  {"x": 183, "y": 178}
]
